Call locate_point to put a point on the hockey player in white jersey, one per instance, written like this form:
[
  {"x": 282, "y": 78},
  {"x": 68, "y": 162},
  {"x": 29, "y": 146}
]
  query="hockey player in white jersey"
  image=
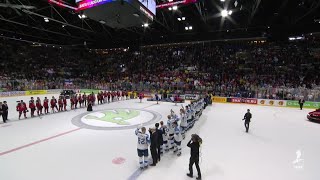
[
  {"x": 174, "y": 115},
  {"x": 183, "y": 123},
  {"x": 177, "y": 139},
  {"x": 143, "y": 142},
  {"x": 171, "y": 131},
  {"x": 165, "y": 130}
]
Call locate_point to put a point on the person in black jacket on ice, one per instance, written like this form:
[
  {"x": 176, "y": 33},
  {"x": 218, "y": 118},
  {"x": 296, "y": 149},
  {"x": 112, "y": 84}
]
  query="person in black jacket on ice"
[
  {"x": 247, "y": 119},
  {"x": 153, "y": 145},
  {"x": 5, "y": 111},
  {"x": 160, "y": 140},
  {"x": 194, "y": 145}
]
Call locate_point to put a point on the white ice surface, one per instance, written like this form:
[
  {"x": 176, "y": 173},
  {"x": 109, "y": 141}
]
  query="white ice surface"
[{"x": 228, "y": 153}]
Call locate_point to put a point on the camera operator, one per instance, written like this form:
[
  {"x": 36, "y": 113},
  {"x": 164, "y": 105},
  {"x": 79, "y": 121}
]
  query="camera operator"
[{"x": 194, "y": 144}]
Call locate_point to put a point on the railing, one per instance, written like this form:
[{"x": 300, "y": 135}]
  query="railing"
[{"x": 283, "y": 93}]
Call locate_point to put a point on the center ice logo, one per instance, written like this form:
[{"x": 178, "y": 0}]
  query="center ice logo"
[{"x": 119, "y": 116}]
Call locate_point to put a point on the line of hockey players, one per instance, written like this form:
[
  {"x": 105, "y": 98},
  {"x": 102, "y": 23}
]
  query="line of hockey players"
[
  {"x": 173, "y": 132},
  {"x": 60, "y": 104}
]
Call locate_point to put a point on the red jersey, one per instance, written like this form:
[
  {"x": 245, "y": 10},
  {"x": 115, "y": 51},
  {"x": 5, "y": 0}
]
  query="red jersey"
[
  {"x": 46, "y": 103},
  {"x": 65, "y": 102},
  {"x": 31, "y": 104},
  {"x": 60, "y": 102},
  {"x": 21, "y": 107},
  {"x": 53, "y": 102},
  {"x": 38, "y": 104}
]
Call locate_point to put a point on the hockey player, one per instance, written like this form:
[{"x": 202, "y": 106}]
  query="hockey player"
[
  {"x": 64, "y": 103},
  {"x": 75, "y": 100},
  {"x": 32, "y": 107},
  {"x": 141, "y": 97},
  {"x": 72, "y": 102},
  {"x": 39, "y": 106},
  {"x": 22, "y": 108},
  {"x": 165, "y": 130},
  {"x": 177, "y": 139},
  {"x": 183, "y": 123},
  {"x": 60, "y": 104},
  {"x": 171, "y": 131},
  {"x": 142, "y": 148},
  {"x": 80, "y": 100},
  {"x": 46, "y": 105},
  {"x": 84, "y": 97},
  {"x": 53, "y": 104}
]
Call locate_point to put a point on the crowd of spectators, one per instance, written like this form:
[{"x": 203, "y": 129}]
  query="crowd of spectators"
[{"x": 249, "y": 69}]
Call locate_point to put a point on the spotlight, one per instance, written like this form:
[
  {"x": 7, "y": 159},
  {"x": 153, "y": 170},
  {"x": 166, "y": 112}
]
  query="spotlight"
[
  {"x": 190, "y": 27},
  {"x": 174, "y": 8},
  {"x": 170, "y": 8},
  {"x": 186, "y": 28},
  {"x": 230, "y": 12},
  {"x": 46, "y": 19},
  {"x": 222, "y": 0},
  {"x": 183, "y": 18},
  {"x": 224, "y": 13},
  {"x": 179, "y": 19}
]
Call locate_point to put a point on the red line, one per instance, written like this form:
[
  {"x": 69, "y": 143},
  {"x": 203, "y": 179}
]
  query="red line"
[{"x": 37, "y": 142}]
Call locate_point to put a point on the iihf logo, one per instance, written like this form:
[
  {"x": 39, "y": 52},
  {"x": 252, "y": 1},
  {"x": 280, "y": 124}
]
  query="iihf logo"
[{"x": 299, "y": 162}]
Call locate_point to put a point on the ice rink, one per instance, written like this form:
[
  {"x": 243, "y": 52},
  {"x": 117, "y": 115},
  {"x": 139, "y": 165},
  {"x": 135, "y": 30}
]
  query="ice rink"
[{"x": 73, "y": 146}]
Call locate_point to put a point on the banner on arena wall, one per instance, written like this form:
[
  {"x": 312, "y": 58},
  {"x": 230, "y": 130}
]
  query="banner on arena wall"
[
  {"x": 88, "y": 91},
  {"x": 271, "y": 102},
  {"x": 54, "y": 91},
  {"x": 35, "y": 92},
  {"x": 12, "y": 93},
  {"x": 307, "y": 104},
  {"x": 219, "y": 99},
  {"x": 191, "y": 96},
  {"x": 243, "y": 100}
]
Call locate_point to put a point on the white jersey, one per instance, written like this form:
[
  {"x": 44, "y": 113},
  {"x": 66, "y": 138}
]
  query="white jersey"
[
  {"x": 170, "y": 126},
  {"x": 165, "y": 131},
  {"x": 177, "y": 134},
  {"x": 143, "y": 140},
  {"x": 183, "y": 119},
  {"x": 189, "y": 114},
  {"x": 174, "y": 116}
]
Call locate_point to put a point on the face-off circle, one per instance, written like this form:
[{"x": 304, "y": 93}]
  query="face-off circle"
[{"x": 114, "y": 119}]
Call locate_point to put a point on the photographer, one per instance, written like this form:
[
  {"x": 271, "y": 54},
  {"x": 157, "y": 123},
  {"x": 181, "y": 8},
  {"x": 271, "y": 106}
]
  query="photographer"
[{"x": 194, "y": 144}]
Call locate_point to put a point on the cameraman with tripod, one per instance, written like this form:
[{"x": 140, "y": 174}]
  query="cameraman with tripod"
[{"x": 194, "y": 144}]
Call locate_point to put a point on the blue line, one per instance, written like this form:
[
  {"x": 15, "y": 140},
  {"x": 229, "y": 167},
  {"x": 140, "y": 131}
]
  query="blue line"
[{"x": 136, "y": 174}]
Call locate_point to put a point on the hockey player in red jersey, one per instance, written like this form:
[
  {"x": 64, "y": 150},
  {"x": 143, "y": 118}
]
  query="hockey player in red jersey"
[
  {"x": 141, "y": 96},
  {"x": 85, "y": 99},
  {"x": 60, "y": 104},
  {"x": 64, "y": 103},
  {"x": 80, "y": 100},
  {"x": 46, "y": 105},
  {"x": 32, "y": 107},
  {"x": 53, "y": 104},
  {"x": 22, "y": 108},
  {"x": 39, "y": 106}
]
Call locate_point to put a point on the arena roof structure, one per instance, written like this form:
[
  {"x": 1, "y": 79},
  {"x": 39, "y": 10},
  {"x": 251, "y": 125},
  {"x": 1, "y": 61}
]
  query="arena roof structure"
[{"x": 59, "y": 22}]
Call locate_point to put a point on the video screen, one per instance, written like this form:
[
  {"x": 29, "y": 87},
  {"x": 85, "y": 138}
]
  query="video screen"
[{"x": 150, "y": 5}]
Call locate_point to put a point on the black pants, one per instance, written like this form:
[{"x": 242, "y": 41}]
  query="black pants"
[
  {"x": 5, "y": 116},
  {"x": 246, "y": 124},
  {"x": 154, "y": 155},
  {"x": 159, "y": 151},
  {"x": 301, "y": 105},
  {"x": 194, "y": 160}
]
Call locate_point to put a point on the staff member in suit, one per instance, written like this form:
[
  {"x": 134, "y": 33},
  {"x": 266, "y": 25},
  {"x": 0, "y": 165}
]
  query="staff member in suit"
[
  {"x": 5, "y": 111},
  {"x": 194, "y": 145},
  {"x": 160, "y": 140}
]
